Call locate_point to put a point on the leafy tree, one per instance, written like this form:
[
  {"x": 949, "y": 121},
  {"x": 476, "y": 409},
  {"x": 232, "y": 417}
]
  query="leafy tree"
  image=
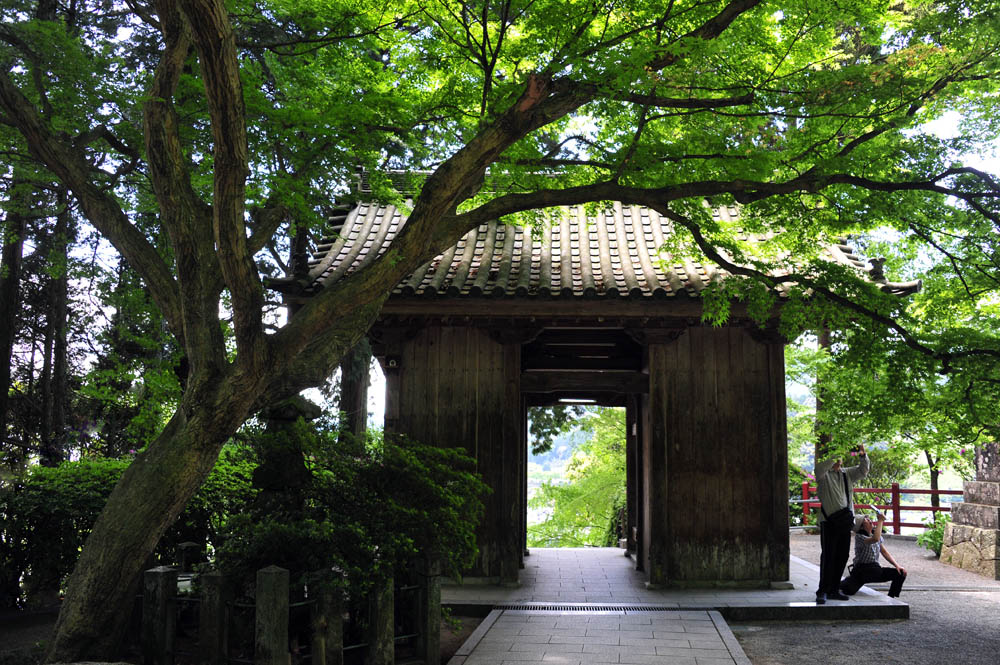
[
  {"x": 193, "y": 134},
  {"x": 584, "y": 510},
  {"x": 546, "y": 423}
]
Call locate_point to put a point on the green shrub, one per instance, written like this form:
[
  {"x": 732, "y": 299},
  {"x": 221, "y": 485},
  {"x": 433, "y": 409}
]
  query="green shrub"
[
  {"x": 47, "y": 514},
  {"x": 368, "y": 510},
  {"x": 933, "y": 534}
]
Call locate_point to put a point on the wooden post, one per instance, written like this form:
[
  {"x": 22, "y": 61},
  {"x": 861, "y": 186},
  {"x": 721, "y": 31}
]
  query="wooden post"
[
  {"x": 159, "y": 587},
  {"x": 429, "y": 619},
  {"x": 381, "y": 633},
  {"x": 327, "y": 621},
  {"x": 271, "y": 611},
  {"x": 213, "y": 624},
  {"x": 895, "y": 509},
  {"x": 805, "y": 504}
]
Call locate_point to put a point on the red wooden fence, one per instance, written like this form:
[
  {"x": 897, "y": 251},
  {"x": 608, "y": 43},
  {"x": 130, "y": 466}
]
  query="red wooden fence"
[{"x": 809, "y": 491}]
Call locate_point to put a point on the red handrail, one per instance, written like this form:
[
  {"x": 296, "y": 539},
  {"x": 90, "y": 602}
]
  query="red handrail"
[{"x": 808, "y": 491}]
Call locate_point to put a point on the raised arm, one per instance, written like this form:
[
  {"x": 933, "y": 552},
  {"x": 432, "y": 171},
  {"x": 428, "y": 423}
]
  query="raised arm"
[{"x": 856, "y": 473}]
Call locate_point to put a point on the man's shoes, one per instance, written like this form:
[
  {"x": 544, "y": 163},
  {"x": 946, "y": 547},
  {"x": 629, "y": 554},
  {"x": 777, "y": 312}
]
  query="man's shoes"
[
  {"x": 838, "y": 596},
  {"x": 820, "y": 598}
]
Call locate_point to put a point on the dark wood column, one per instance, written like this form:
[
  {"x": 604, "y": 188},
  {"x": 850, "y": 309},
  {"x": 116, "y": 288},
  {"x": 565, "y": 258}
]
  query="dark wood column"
[
  {"x": 631, "y": 472},
  {"x": 459, "y": 386},
  {"x": 716, "y": 460}
]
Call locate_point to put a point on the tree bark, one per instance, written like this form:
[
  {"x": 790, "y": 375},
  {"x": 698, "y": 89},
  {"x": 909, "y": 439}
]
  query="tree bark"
[
  {"x": 823, "y": 440},
  {"x": 935, "y": 473},
  {"x": 150, "y": 495},
  {"x": 10, "y": 290},
  {"x": 354, "y": 381}
]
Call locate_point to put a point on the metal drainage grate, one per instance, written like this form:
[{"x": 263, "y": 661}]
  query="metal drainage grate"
[{"x": 540, "y": 607}]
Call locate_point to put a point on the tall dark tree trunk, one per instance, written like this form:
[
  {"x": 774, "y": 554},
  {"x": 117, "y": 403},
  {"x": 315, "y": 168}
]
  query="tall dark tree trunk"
[
  {"x": 55, "y": 367},
  {"x": 932, "y": 465},
  {"x": 10, "y": 289},
  {"x": 823, "y": 440},
  {"x": 65, "y": 234},
  {"x": 354, "y": 380}
]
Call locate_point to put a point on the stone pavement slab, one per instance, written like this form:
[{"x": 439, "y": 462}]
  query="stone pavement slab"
[
  {"x": 515, "y": 637},
  {"x": 611, "y": 582}
]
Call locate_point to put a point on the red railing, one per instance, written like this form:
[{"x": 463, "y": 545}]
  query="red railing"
[{"x": 894, "y": 492}]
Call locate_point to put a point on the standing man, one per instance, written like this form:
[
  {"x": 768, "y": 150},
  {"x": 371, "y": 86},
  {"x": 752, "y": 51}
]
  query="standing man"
[{"x": 835, "y": 489}]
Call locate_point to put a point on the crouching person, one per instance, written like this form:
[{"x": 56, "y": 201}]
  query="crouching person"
[{"x": 868, "y": 545}]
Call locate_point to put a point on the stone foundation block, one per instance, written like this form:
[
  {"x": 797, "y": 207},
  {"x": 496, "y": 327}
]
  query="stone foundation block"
[
  {"x": 971, "y": 548},
  {"x": 977, "y": 515},
  {"x": 986, "y": 492}
]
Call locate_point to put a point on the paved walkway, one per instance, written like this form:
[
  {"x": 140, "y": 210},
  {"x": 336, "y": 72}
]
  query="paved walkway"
[{"x": 582, "y": 606}]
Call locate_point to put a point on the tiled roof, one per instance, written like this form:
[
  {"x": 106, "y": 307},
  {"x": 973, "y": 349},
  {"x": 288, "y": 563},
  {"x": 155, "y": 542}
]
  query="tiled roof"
[{"x": 615, "y": 255}]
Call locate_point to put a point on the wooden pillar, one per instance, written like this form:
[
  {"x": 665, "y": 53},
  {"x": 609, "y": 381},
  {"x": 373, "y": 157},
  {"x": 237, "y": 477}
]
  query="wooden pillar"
[
  {"x": 159, "y": 588},
  {"x": 631, "y": 470},
  {"x": 271, "y": 612},
  {"x": 213, "y": 619},
  {"x": 512, "y": 454},
  {"x": 716, "y": 459},
  {"x": 381, "y": 633}
]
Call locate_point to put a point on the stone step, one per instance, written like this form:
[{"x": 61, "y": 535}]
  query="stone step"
[
  {"x": 986, "y": 492},
  {"x": 976, "y": 514}
]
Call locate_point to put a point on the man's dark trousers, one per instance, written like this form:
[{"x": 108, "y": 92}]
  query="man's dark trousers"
[
  {"x": 868, "y": 573},
  {"x": 835, "y": 548}
]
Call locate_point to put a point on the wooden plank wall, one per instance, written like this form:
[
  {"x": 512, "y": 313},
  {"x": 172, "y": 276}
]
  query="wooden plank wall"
[
  {"x": 458, "y": 387},
  {"x": 715, "y": 457}
]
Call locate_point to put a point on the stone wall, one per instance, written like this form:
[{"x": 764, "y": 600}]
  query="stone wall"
[{"x": 970, "y": 541}]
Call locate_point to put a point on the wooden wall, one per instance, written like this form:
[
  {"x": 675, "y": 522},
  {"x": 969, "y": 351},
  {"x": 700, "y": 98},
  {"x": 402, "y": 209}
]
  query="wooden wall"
[
  {"x": 457, "y": 386},
  {"x": 715, "y": 461}
]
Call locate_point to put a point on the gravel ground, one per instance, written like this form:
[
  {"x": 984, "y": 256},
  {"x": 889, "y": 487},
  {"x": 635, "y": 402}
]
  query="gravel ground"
[{"x": 954, "y": 618}]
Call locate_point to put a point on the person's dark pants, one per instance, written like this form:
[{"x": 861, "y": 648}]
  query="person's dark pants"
[
  {"x": 835, "y": 548},
  {"x": 868, "y": 573}
]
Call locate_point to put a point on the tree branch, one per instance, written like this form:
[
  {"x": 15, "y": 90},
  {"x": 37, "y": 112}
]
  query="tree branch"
[
  {"x": 103, "y": 211},
  {"x": 216, "y": 46}
]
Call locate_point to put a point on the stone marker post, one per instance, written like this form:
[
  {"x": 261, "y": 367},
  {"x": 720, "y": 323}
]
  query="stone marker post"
[
  {"x": 271, "y": 611},
  {"x": 327, "y": 620},
  {"x": 213, "y": 619},
  {"x": 159, "y": 588},
  {"x": 970, "y": 540},
  {"x": 429, "y": 610}
]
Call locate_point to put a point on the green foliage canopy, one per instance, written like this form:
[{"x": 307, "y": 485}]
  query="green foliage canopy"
[{"x": 584, "y": 510}]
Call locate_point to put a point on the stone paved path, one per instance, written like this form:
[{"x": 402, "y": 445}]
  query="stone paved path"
[{"x": 519, "y": 637}]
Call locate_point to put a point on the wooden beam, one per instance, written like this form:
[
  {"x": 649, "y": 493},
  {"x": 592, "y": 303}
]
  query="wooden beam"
[
  {"x": 525, "y": 308},
  {"x": 544, "y": 363},
  {"x": 617, "y": 382}
]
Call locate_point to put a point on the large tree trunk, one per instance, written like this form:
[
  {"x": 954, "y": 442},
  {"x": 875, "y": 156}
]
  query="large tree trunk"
[
  {"x": 932, "y": 466},
  {"x": 354, "y": 379},
  {"x": 823, "y": 440},
  {"x": 10, "y": 282},
  {"x": 150, "y": 495}
]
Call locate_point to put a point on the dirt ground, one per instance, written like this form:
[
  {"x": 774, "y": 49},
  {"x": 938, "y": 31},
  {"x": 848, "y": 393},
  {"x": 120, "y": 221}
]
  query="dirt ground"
[{"x": 954, "y": 618}]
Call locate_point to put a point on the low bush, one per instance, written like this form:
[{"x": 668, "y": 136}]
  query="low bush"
[{"x": 933, "y": 535}]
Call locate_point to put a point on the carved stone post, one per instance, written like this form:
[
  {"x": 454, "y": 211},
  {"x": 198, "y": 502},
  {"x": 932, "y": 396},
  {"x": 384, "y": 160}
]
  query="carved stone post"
[
  {"x": 381, "y": 632},
  {"x": 213, "y": 619},
  {"x": 429, "y": 611},
  {"x": 271, "y": 611},
  {"x": 970, "y": 540},
  {"x": 159, "y": 587},
  {"x": 327, "y": 621}
]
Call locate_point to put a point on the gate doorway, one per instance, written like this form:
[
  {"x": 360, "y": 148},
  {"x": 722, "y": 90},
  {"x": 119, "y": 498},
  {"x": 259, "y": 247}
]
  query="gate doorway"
[{"x": 576, "y": 476}]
